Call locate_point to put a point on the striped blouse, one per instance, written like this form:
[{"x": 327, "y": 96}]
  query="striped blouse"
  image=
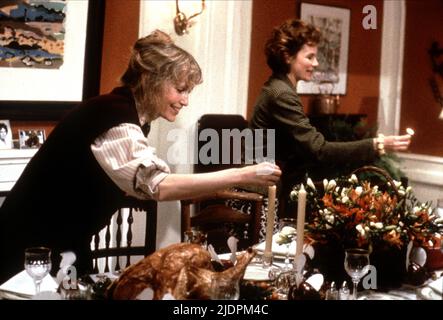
[{"x": 124, "y": 154}]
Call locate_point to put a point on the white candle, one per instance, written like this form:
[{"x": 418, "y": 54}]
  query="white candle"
[
  {"x": 270, "y": 219},
  {"x": 301, "y": 208}
]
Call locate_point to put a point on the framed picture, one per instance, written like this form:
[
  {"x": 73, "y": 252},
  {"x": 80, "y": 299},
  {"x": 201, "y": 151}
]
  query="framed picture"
[
  {"x": 31, "y": 138},
  {"x": 5, "y": 135},
  {"x": 50, "y": 52},
  {"x": 331, "y": 74}
]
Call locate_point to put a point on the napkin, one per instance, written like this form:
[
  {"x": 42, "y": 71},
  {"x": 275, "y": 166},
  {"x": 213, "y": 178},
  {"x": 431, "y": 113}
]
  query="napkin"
[
  {"x": 437, "y": 285},
  {"x": 23, "y": 284},
  {"x": 277, "y": 249}
]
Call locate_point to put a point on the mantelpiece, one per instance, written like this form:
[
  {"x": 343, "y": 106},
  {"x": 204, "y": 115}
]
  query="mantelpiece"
[{"x": 12, "y": 164}]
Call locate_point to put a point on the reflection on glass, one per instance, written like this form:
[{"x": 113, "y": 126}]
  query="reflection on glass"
[
  {"x": 356, "y": 265},
  {"x": 37, "y": 264},
  {"x": 224, "y": 288}
]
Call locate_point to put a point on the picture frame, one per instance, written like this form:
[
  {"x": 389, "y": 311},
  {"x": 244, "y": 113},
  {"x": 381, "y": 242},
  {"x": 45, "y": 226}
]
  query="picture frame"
[
  {"x": 30, "y": 139},
  {"x": 36, "y": 93},
  {"x": 5, "y": 135},
  {"x": 330, "y": 76}
]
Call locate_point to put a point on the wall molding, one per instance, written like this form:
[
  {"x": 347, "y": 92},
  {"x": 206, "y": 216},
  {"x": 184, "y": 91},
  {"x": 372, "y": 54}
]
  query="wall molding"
[
  {"x": 423, "y": 168},
  {"x": 425, "y": 175}
]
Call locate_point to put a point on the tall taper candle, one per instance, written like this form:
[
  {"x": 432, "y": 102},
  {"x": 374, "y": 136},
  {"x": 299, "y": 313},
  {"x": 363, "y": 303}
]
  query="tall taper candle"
[
  {"x": 301, "y": 209},
  {"x": 270, "y": 220}
]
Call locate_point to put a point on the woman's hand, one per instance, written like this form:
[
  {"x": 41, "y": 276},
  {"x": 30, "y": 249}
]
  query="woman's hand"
[
  {"x": 391, "y": 143},
  {"x": 263, "y": 174},
  {"x": 397, "y": 143}
]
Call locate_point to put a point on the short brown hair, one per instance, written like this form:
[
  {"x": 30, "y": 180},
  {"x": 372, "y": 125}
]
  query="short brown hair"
[{"x": 286, "y": 40}]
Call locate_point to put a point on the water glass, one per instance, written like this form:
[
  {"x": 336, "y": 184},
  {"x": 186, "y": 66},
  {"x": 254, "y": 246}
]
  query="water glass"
[
  {"x": 196, "y": 236},
  {"x": 38, "y": 264},
  {"x": 356, "y": 265}
]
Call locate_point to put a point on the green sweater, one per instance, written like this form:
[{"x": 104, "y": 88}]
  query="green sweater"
[{"x": 299, "y": 147}]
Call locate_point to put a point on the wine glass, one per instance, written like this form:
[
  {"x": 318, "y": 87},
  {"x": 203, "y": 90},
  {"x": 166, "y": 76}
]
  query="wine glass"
[
  {"x": 356, "y": 265},
  {"x": 225, "y": 288},
  {"x": 37, "y": 264},
  {"x": 287, "y": 228}
]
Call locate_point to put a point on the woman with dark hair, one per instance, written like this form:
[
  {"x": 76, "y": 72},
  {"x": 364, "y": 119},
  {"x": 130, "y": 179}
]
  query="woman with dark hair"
[
  {"x": 99, "y": 153},
  {"x": 4, "y": 135},
  {"x": 291, "y": 53}
]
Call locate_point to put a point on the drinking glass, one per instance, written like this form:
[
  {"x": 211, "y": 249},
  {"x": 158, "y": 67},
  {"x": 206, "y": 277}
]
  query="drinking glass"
[
  {"x": 37, "y": 264},
  {"x": 356, "y": 265},
  {"x": 283, "y": 225},
  {"x": 196, "y": 236},
  {"x": 224, "y": 288}
]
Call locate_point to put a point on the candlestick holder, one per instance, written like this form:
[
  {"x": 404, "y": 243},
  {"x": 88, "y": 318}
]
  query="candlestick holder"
[{"x": 267, "y": 259}]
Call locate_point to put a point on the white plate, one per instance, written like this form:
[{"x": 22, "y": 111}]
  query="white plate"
[
  {"x": 381, "y": 296},
  {"x": 256, "y": 272},
  {"x": 428, "y": 293}
]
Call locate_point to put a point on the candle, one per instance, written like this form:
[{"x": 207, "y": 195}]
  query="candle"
[
  {"x": 410, "y": 131},
  {"x": 301, "y": 208},
  {"x": 270, "y": 220}
]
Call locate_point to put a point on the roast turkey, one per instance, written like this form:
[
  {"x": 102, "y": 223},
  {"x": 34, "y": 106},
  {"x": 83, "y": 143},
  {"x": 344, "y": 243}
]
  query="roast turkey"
[{"x": 183, "y": 270}]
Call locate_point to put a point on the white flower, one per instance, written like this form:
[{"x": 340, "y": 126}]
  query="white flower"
[
  {"x": 360, "y": 229},
  {"x": 286, "y": 235},
  {"x": 358, "y": 190},
  {"x": 293, "y": 195},
  {"x": 287, "y": 231},
  {"x": 344, "y": 199},
  {"x": 379, "y": 225},
  {"x": 332, "y": 184},
  {"x": 330, "y": 218},
  {"x": 353, "y": 179},
  {"x": 310, "y": 183}
]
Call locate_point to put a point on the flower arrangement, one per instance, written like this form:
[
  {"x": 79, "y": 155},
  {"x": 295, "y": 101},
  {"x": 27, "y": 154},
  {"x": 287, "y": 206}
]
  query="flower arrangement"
[{"x": 357, "y": 214}]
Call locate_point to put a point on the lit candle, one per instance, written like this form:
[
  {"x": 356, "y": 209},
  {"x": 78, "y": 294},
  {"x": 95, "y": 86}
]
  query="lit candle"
[
  {"x": 301, "y": 208},
  {"x": 270, "y": 220}
]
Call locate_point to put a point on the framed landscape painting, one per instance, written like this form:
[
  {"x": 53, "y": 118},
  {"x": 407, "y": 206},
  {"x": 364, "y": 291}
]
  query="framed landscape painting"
[
  {"x": 331, "y": 74},
  {"x": 50, "y": 53}
]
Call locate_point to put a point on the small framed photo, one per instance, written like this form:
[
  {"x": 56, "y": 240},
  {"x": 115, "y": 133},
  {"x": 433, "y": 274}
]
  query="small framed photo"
[
  {"x": 5, "y": 135},
  {"x": 31, "y": 138}
]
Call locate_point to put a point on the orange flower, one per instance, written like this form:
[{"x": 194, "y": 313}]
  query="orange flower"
[{"x": 361, "y": 215}]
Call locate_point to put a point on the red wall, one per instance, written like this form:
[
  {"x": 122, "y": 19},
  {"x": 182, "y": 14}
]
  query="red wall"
[
  {"x": 362, "y": 91},
  {"x": 423, "y": 25},
  {"x": 420, "y": 110}
]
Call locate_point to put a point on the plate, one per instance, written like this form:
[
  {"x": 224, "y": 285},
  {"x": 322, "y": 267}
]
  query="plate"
[
  {"x": 428, "y": 293},
  {"x": 256, "y": 272},
  {"x": 383, "y": 296}
]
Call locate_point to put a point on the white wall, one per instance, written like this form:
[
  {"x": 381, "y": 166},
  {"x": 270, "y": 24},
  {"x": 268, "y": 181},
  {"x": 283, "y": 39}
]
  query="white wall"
[{"x": 220, "y": 42}]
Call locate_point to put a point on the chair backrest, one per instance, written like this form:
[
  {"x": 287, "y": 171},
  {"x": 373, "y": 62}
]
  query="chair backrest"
[
  {"x": 217, "y": 123},
  {"x": 231, "y": 211},
  {"x": 115, "y": 248}
]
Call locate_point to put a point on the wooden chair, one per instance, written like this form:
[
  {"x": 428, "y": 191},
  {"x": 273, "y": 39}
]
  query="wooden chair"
[
  {"x": 104, "y": 253},
  {"x": 230, "y": 212}
]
